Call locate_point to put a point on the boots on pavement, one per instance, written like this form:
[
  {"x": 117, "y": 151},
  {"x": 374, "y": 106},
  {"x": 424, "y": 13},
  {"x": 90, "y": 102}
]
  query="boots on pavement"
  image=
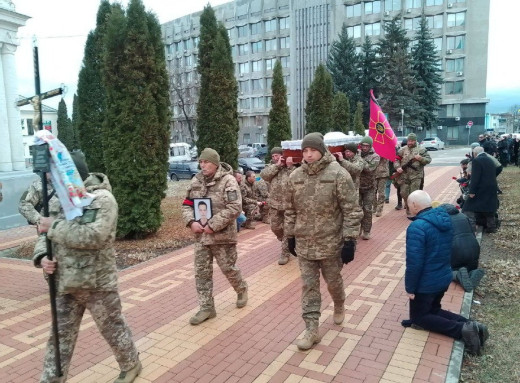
[
  {"x": 311, "y": 336},
  {"x": 130, "y": 375},
  {"x": 202, "y": 315},
  {"x": 339, "y": 312},
  {"x": 242, "y": 299}
]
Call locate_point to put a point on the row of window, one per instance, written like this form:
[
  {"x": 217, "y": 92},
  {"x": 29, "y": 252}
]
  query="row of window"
[
  {"x": 260, "y": 65},
  {"x": 183, "y": 45},
  {"x": 262, "y": 46},
  {"x": 261, "y": 27},
  {"x": 374, "y": 7},
  {"x": 255, "y": 102},
  {"x": 259, "y": 84}
]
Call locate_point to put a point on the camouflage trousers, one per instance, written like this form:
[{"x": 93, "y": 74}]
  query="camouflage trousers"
[
  {"x": 379, "y": 194},
  {"x": 311, "y": 296},
  {"x": 366, "y": 201},
  {"x": 250, "y": 211},
  {"x": 263, "y": 214},
  {"x": 408, "y": 186},
  {"x": 277, "y": 221},
  {"x": 226, "y": 257},
  {"x": 105, "y": 308}
]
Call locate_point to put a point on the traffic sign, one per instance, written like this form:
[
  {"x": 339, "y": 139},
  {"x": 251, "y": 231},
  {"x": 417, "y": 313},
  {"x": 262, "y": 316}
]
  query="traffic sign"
[{"x": 470, "y": 123}]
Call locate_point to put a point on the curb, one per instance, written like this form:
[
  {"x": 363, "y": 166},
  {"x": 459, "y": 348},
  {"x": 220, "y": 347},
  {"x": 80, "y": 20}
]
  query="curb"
[{"x": 457, "y": 353}]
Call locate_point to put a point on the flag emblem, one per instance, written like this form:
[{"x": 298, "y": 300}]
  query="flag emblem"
[{"x": 381, "y": 132}]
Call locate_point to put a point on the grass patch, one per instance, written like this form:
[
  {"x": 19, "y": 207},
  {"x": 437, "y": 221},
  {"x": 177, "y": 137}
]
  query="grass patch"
[{"x": 498, "y": 294}]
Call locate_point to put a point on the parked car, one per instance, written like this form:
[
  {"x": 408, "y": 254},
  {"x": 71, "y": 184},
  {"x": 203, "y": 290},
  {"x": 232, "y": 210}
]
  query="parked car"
[
  {"x": 245, "y": 151},
  {"x": 183, "y": 170},
  {"x": 400, "y": 139},
  {"x": 261, "y": 152},
  {"x": 251, "y": 163},
  {"x": 430, "y": 143}
]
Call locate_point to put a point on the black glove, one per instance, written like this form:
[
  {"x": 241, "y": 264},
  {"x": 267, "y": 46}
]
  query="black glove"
[
  {"x": 291, "y": 242},
  {"x": 348, "y": 250}
]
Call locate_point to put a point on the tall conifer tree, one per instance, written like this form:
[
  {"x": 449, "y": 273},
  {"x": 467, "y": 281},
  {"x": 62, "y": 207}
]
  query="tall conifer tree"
[
  {"x": 368, "y": 64},
  {"x": 341, "y": 118},
  {"x": 74, "y": 122},
  {"x": 279, "y": 128},
  {"x": 217, "y": 115},
  {"x": 137, "y": 117},
  {"x": 428, "y": 75},
  {"x": 91, "y": 94},
  {"x": 359, "y": 128},
  {"x": 318, "y": 111},
  {"x": 65, "y": 133}
]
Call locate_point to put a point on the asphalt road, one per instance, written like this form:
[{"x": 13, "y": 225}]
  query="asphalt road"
[{"x": 449, "y": 156}]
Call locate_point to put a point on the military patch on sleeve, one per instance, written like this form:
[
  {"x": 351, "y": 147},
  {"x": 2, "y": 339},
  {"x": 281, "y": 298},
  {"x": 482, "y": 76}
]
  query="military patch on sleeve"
[
  {"x": 232, "y": 195},
  {"x": 89, "y": 216}
]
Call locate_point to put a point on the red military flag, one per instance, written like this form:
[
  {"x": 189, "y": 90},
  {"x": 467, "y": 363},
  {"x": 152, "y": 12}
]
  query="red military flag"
[{"x": 381, "y": 131}]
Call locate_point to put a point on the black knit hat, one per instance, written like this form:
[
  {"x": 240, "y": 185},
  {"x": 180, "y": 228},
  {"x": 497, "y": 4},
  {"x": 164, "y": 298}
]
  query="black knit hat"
[{"x": 314, "y": 140}]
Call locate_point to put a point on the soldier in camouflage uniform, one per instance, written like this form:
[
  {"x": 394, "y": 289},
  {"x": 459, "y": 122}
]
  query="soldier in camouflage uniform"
[
  {"x": 31, "y": 202},
  {"x": 277, "y": 174},
  {"x": 86, "y": 278},
  {"x": 381, "y": 174},
  {"x": 367, "y": 185},
  {"x": 261, "y": 189},
  {"x": 322, "y": 223},
  {"x": 250, "y": 204},
  {"x": 217, "y": 239},
  {"x": 352, "y": 161},
  {"x": 410, "y": 163}
]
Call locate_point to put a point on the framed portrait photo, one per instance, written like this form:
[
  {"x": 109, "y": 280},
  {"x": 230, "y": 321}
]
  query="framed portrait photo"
[{"x": 202, "y": 209}]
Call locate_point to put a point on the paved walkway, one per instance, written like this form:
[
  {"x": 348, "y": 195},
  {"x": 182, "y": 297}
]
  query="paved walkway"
[{"x": 253, "y": 344}]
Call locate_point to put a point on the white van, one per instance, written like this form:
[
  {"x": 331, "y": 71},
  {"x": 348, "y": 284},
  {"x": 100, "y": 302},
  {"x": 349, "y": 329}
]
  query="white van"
[{"x": 179, "y": 152}]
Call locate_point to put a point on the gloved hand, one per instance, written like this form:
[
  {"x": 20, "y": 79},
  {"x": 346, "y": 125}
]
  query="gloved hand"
[
  {"x": 348, "y": 250},
  {"x": 291, "y": 242}
]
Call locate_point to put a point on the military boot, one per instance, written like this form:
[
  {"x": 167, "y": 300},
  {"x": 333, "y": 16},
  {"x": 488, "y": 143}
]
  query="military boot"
[
  {"x": 249, "y": 224},
  {"x": 311, "y": 336},
  {"x": 242, "y": 299},
  {"x": 379, "y": 213},
  {"x": 284, "y": 259},
  {"x": 471, "y": 337},
  {"x": 339, "y": 313},
  {"x": 483, "y": 333},
  {"x": 130, "y": 375},
  {"x": 366, "y": 235},
  {"x": 203, "y": 315}
]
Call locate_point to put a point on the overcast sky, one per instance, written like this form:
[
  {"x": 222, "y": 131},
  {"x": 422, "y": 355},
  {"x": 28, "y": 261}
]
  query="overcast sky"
[{"x": 61, "y": 27}]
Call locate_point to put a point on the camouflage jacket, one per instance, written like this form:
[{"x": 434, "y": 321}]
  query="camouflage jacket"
[
  {"x": 31, "y": 202},
  {"x": 368, "y": 178},
  {"x": 322, "y": 209},
  {"x": 83, "y": 247},
  {"x": 382, "y": 168},
  {"x": 278, "y": 177},
  {"x": 226, "y": 205},
  {"x": 354, "y": 167},
  {"x": 416, "y": 170},
  {"x": 248, "y": 193},
  {"x": 261, "y": 189}
]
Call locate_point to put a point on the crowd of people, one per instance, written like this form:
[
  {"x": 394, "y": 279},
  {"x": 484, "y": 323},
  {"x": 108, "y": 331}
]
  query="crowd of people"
[{"x": 317, "y": 208}]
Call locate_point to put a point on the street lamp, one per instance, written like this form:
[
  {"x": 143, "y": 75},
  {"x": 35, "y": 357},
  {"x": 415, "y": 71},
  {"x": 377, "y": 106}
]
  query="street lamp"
[{"x": 402, "y": 120}]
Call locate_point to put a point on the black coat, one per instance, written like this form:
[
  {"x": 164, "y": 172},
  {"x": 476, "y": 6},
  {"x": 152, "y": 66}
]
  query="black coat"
[
  {"x": 483, "y": 183},
  {"x": 465, "y": 250}
]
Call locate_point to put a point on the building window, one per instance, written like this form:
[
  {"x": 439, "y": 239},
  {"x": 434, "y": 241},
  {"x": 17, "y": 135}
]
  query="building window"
[
  {"x": 243, "y": 49},
  {"x": 256, "y": 28},
  {"x": 268, "y": 82},
  {"x": 392, "y": 5},
  {"x": 189, "y": 77},
  {"x": 30, "y": 127},
  {"x": 258, "y": 102},
  {"x": 242, "y": 30},
  {"x": 453, "y": 133},
  {"x": 372, "y": 29},
  {"x": 270, "y": 25},
  {"x": 372, "y": 7},
  {"x": 285, "y": 42},
  {"x": 270, "y": 45},
  {"x": 243, "y": 68},
  {"x": 453, "y": 110},
  {"x": 258, "y": 84},
  {"x": 256, "y": 66},
  {"x": 188, "y": 61},
  {"x": 269, "y": 64},
  {"x": 286, "y": 80},
  {"x": 434, "y": 21},
  {"x": 430, "y": 3},
  {"x": 256, "y": 47},
  {"x": 413, "y": 3},
  {"x": 353, "y": 10},
  {"x": 455, "y": 42},
  {"x": 245, "y": 103},
  {"x": 268, "y": 101},
  {"x": 456, "y": 19},
  {"x": 438, "y": 43},
  {"x": 247, "y": 138},
  {"x": 243, "y": 86},
  {"x": 455, "y": 65},
  {"x": 453, "y": 87},
  {"x": 230, "y": 33},
  {"x": 354, "y": 31},
  {"x": 187, "y": 44},
  {"x": 196, "y": 41},
  {"x": 285, "y": 61},
  {"x": 285, "y": 23}
]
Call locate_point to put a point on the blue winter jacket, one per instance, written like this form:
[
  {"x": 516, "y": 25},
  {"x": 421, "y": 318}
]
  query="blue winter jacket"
[{"x": 428, "y": 252}]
